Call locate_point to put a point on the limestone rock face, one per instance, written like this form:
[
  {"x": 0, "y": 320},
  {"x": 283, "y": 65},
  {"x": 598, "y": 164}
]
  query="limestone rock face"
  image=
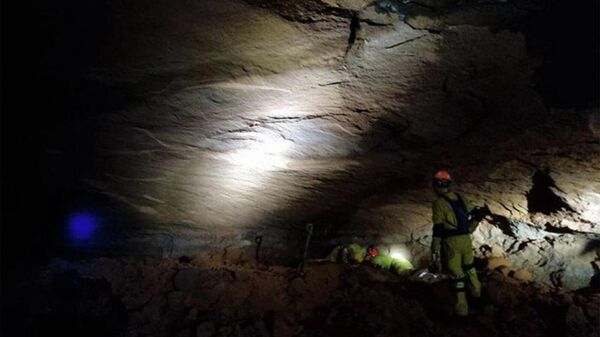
[{"x": 254, "y": 118}]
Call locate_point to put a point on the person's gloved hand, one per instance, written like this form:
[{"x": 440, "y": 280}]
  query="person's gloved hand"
[
  {"x": 435, "y": 264},
  {"x": 476, "y": 215}
]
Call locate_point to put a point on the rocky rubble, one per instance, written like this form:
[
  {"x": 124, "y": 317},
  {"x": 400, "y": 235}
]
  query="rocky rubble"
[{"x": 209, "y": 296}]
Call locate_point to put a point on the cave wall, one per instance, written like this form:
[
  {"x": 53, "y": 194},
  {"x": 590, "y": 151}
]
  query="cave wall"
[{"x": 200, "y": 125}]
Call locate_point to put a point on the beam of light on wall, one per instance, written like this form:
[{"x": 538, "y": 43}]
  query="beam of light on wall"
[
  {"x": 266, "y": 155},
  {"x": 270, "y": 127},
  {"x": 591, "y": 202},
  {"x": 81, "y": 226},
  {"x": 399, "y": 252},
  {"x": 246, "y": 170}
]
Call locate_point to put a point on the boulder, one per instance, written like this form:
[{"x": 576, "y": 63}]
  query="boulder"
[{"x": 522, "y": 275}]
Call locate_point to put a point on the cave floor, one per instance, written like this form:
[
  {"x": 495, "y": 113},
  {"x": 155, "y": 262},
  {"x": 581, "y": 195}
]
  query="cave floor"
[{"x": 209, "y": 295}]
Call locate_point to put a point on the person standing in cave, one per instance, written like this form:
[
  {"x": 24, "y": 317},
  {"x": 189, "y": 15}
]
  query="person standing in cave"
[{"x": 452, "y": 247}]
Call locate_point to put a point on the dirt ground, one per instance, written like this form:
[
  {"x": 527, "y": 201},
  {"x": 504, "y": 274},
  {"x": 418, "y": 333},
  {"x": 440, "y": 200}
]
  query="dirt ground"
[{"x": 231, "y": 295}]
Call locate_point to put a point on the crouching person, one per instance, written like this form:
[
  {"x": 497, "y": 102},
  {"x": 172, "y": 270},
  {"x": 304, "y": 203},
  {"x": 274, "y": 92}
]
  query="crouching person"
[{"x": 357, "y": 254}]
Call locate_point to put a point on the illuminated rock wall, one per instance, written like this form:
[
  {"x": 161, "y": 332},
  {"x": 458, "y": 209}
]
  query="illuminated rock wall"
[{"x": 254, "y": 118}]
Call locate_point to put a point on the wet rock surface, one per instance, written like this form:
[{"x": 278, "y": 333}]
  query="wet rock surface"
[{"x": 260, "y": 300}]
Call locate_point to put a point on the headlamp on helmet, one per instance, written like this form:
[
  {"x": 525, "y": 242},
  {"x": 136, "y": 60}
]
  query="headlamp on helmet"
[{"x": 442, "y": 179}]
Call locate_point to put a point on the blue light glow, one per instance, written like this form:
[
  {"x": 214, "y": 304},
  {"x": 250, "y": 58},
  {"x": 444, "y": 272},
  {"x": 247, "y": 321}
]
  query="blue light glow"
[{"x": 81, "y": 226}]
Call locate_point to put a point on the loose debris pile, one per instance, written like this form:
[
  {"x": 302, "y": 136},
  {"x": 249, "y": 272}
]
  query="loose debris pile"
[{"x": 209, "y": 295}]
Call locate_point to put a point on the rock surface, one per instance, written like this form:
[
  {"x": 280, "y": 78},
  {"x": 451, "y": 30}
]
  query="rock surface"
[
  {"x": 226, "y": 120},
  {"x": 329, "y": 301}
]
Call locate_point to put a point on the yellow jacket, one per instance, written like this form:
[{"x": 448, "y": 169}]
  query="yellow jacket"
[{"x": 443, "y": 214}]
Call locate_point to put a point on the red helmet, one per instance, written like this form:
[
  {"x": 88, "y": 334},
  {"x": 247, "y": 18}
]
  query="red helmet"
[
  {"x": 372, "y": 251},
  {"x": 442, "y": 175}
]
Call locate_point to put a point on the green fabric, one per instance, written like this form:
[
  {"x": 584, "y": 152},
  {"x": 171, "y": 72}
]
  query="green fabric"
[
  {"x": 355, "y": 253},
  {"x": 435, "y": 265},
  {"x": 352, "y": 253},
  {"x": 389, "y": 263},
  {"x": 334, "y": 255},
  {"x": 456, "y": 252},
  {"x": 444, "y": 214}
]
